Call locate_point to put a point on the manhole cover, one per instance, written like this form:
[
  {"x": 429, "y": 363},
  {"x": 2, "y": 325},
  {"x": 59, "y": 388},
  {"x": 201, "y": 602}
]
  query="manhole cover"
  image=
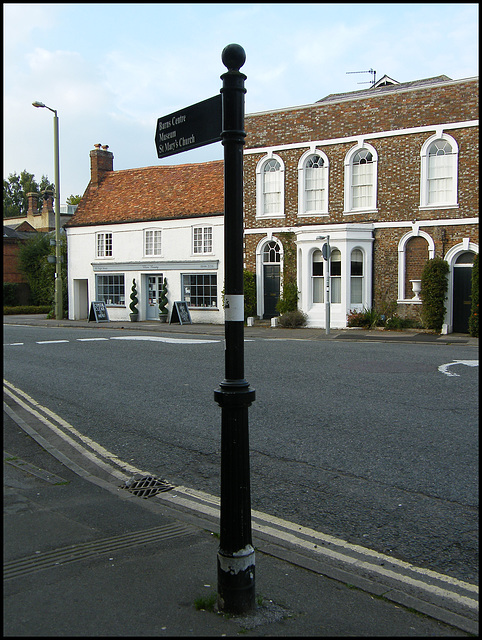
[{"x": 146, "y": 486}]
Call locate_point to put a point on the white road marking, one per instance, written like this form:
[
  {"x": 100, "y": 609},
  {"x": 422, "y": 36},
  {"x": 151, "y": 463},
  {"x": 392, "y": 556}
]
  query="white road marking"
[
  {"x": 168, "y": 340},
  {"x": 91, "y": 339},
  {"x": 444, "y": 367},
  {"x": 51, "y": 341}
]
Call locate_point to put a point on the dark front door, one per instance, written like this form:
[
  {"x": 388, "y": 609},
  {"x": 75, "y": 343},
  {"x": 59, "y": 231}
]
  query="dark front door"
[
  {"x": 271, "y": 289},
  {"x": 461, "y": 298}
]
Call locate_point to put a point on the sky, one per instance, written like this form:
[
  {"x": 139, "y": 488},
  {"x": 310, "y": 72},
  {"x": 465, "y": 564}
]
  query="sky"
[{"x": 111, "y": 70}]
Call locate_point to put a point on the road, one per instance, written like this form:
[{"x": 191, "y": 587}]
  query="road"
[{"x": 374, "y": 443}]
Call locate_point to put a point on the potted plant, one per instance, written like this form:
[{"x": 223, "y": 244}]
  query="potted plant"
[
  {"x": 163, "y": 302},
  {"x": 134, "y": 315}
]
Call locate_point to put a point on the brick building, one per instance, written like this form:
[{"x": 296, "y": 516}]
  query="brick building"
[{"x": 389, "y": 174}]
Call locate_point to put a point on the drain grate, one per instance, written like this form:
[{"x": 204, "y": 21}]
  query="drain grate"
[{"x": 146, "y": 486}]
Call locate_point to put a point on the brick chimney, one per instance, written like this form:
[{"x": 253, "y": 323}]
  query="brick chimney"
[
  {"x": 101, "y": 161},
  {"x": 48, "y": 202},
  {"x": 32, "y": 204}
]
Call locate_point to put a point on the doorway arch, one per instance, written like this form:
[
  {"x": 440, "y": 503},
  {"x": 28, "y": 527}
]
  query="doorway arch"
[
  {"x": 269, "y": 260},
  {"x": 460, "y": 259}
]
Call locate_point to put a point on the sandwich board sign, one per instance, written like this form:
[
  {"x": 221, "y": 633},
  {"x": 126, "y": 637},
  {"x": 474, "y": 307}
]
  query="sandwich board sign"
[
  {"x": 98, "y": 312},
  {"x": 180, "y": 313}
]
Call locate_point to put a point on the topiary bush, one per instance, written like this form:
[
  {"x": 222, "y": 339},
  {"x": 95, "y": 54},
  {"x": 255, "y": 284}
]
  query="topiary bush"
[
  {"x": 434, "y": 293},
  {"x": 163, "y": 299},
  {"x": 134, "y": 301},
  {"x": 474, "y": 310}
]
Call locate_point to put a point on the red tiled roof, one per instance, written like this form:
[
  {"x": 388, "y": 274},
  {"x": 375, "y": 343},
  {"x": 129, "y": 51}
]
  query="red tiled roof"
[{"x": 153, "y": 193}]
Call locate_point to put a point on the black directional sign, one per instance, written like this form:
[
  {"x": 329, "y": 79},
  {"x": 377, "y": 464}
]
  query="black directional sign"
[{"x": 189, "y": 128}]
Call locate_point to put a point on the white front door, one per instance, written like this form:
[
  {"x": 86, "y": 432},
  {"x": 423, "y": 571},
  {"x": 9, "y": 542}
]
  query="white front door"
[{"x": 154, "y": 286}]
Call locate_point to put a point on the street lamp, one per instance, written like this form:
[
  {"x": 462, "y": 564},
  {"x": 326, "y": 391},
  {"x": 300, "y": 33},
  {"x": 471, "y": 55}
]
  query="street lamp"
[
  {"x": 58, "y": 278},
  {"x": 326, "y": 255}
]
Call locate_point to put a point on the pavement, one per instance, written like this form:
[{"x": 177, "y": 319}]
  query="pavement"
[{"x": 86, "y": 556}]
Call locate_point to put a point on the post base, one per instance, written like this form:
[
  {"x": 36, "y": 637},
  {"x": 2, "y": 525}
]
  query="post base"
[{"x": 236, "y": 582}]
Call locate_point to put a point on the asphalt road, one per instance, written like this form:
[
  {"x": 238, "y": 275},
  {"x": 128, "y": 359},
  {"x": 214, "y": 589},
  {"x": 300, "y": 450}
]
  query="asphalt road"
[{"x": 371, "y": 442}]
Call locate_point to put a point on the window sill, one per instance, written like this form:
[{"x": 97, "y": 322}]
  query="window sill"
[
  {"x": 312, "y": 214},
  {"x": 409, "y": 301},
  {"x": 274, "y": 216},
  {"x": 429, "y": 207},
  {"x": 359, "y": 211}
]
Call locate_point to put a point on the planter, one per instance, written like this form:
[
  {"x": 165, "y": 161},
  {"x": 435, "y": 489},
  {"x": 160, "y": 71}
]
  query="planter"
[
  {"x": 416, "y": 288},
  {"x": 134, "y": 317},
  {"x": 163, "y": 317}
]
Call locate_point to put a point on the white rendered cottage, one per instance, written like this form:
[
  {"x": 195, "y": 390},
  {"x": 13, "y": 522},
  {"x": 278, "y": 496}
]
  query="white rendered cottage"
[{"x": 148, "y": 224}]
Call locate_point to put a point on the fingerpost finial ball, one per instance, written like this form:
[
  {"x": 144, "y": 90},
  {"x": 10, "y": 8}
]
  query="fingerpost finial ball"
[{"x": 233, "y": 57}]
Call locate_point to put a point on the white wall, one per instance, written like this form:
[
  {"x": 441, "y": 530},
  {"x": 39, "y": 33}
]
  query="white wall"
[
  {"x": 345, "y": 238},
  {"x": 128, "y": 258}
]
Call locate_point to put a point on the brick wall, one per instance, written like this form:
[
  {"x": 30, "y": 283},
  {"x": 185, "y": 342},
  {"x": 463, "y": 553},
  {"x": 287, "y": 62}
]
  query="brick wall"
[{"x": 398, "y": 171}]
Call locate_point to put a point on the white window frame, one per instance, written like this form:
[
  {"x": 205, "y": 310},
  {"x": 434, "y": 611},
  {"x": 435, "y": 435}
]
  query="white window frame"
[
  {"x": 452, "y": 202},
  {"x": 260, "y": 212},
  {"x": 155, "y": 244},
  {"x": 338, "y": 279},
  {"x": 302, "y": 191},
  {"x": 320, "y": 279},
  {"x": 101, "y": 245},
  {"x": 372, "y": 205},
  {"x": 206, "y": 241},
  {"x": 188, "y": 293},
  {"x": 105, "y": 297},
  {"x": 361, "y": 303}
]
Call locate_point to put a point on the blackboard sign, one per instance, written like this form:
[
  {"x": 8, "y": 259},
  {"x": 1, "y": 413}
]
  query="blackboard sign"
[
  {"x": 98, "y": 312},
  {"x": 180, "y": 313}
]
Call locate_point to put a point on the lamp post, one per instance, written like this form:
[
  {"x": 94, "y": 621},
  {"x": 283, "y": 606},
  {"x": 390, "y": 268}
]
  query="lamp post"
[
  {"x": 326, "y": 255},
  {"x": 58, "y": 278}
]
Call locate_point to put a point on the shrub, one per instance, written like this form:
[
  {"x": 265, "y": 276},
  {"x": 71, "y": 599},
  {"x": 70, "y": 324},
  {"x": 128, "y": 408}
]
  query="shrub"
[
  {"x": 395, "y": 323},
  {"x": 293, "y": 319},
  {"x": 10, "y": 293},
  {"x": 367, "y": 318},
  {"x": 289, "y": 301},
  {"x": 23, "y": 310},
  {"x": 474, "y": 311},
  {"x": 249, "y": 294},
  {"x": 434, "y": 293}
]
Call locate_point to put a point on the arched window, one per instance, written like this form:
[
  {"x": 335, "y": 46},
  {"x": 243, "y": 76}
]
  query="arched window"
[
  {"x": 317, "y": 276},
  {"x": 270, "y": 187},
  {"x": 360, "y": 179},
  {"x": 271, "y": 253},
  {"x": 335, "y": 279},
  {"x": 313, "y": 184},
  {"x": 439, "y": 158},
  {"x": 356, "y": 277}
]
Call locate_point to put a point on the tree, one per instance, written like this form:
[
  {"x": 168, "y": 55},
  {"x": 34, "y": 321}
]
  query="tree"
[
  {"x": 73, "y": 199},
  {"x": 34, "y": 265},
  {"x": 15, "y": 190}
]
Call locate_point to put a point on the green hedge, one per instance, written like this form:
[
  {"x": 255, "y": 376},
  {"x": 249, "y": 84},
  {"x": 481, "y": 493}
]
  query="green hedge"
[
  {"x": 20, "y": 311},
  {"x": 474, "y": 311}
]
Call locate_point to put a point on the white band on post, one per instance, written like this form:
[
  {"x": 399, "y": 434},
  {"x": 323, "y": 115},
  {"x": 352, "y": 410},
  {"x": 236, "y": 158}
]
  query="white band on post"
[{"x": 233, "y": 308}]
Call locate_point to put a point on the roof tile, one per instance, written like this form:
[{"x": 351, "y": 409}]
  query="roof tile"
[{"x": 153, "y": 193}]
